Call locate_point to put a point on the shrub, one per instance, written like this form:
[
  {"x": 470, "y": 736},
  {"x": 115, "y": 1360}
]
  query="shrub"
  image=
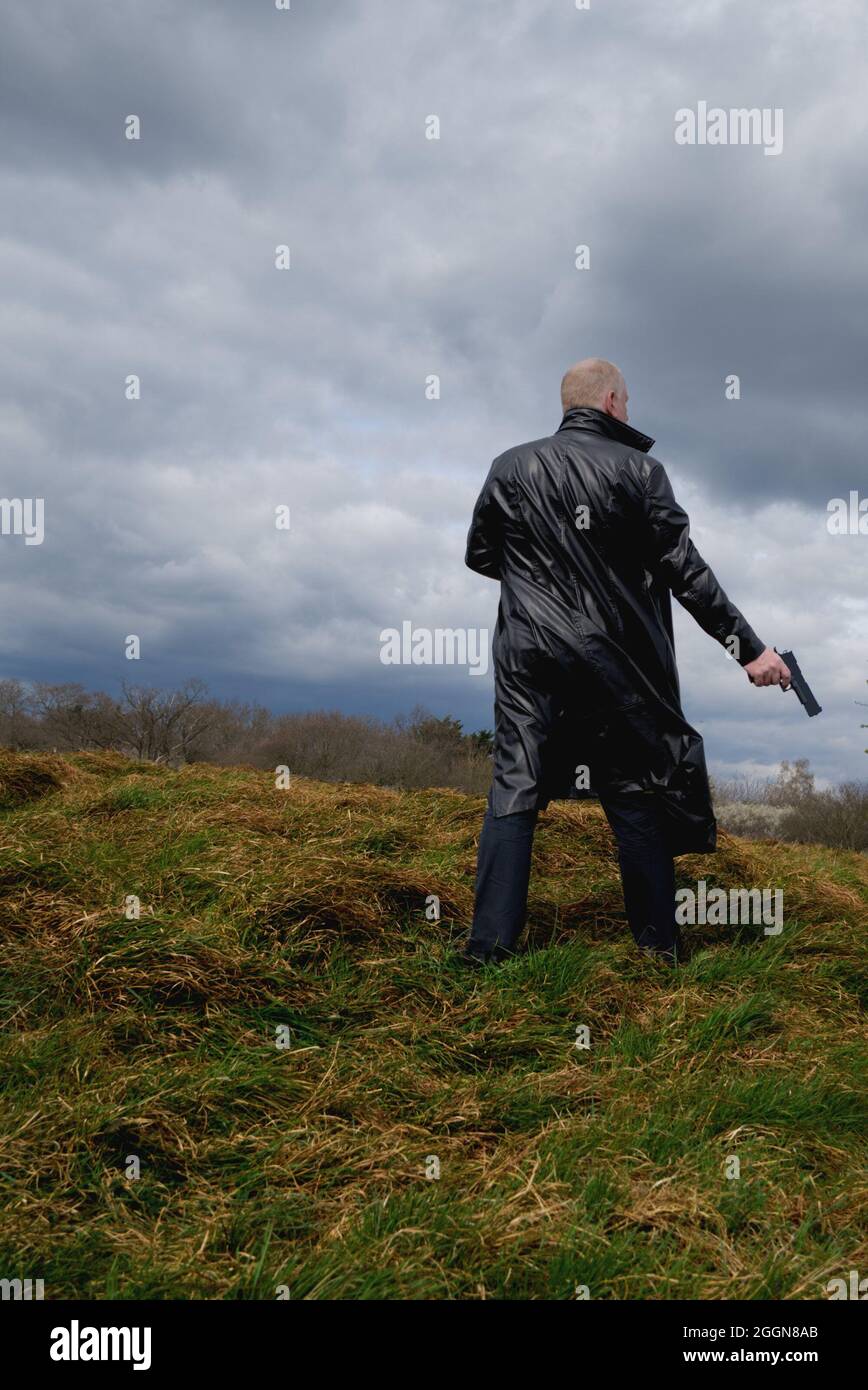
[{"x": 752, "y": 819}]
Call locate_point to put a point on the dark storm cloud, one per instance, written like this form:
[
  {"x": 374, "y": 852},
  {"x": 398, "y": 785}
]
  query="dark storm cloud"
[{"x": 412, "y": 257}]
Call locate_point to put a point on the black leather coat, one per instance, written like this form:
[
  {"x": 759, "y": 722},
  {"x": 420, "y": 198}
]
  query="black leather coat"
[{"x": 587, "y": 540}]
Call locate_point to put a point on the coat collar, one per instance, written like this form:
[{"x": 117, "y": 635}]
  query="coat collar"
[{"x": 587, "y": 417}]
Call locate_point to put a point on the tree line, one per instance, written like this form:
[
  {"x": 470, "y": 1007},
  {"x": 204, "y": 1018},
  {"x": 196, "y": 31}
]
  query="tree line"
[{"x": 188, "y": 725}]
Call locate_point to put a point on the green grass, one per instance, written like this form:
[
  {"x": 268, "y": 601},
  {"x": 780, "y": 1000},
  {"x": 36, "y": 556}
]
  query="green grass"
[{"x": 305, "y": 1166}]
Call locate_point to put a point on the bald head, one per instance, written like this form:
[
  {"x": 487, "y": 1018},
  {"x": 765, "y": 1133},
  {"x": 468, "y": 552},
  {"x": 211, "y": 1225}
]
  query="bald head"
[{"x": 597, "y": 383}]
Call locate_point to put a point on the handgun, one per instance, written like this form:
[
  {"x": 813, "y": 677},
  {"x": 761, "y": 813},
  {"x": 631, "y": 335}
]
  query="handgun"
[{"x": 799, "y": 684}]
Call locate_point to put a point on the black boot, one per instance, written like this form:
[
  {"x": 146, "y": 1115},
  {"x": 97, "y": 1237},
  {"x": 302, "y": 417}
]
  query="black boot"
[
  {"x": 478, "y": 956},
  {"x": 669, "y": 953}
]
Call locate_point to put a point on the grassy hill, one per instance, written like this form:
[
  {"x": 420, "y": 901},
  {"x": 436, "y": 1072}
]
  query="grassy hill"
[{"x": 306, "y": 1165}]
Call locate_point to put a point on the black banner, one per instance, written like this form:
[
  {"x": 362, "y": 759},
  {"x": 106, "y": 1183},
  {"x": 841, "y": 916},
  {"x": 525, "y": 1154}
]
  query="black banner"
[{"x": 181, "y": 1338}]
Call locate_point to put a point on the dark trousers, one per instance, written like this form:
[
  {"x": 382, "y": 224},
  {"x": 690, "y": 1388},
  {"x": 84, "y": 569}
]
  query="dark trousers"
[{"x": 503, "y": 874}]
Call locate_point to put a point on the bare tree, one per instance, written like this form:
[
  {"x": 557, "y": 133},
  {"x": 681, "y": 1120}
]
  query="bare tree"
[
  {"x": 16, "y": 723},
  {"x": 72, "y": 718},
  {"x": 167, "y": 726}
]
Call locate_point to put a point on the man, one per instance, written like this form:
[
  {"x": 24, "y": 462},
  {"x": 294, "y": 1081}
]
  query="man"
[{"x": 587, "y": 540}]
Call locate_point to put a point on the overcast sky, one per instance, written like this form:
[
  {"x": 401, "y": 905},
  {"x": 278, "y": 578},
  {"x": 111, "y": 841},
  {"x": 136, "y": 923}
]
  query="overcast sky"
[{"x": 412, "y": 257}]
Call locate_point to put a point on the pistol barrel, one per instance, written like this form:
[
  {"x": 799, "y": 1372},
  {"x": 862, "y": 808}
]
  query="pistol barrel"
[{"x": 800, "y": 685}]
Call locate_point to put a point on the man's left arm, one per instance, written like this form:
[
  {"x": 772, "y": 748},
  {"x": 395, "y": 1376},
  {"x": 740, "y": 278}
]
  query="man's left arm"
[{"x": 674, "y": 557}]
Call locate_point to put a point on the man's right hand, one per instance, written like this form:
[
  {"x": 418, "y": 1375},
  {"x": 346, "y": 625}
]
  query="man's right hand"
[{"x": 768, "y": 669}]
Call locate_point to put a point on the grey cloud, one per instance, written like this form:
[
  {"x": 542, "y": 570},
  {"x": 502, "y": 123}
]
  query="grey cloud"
[{"x": 413, "y": 257}]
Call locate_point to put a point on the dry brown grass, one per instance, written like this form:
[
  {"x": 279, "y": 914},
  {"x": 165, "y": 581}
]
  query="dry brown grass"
[{"x": 306, "y": 908}]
